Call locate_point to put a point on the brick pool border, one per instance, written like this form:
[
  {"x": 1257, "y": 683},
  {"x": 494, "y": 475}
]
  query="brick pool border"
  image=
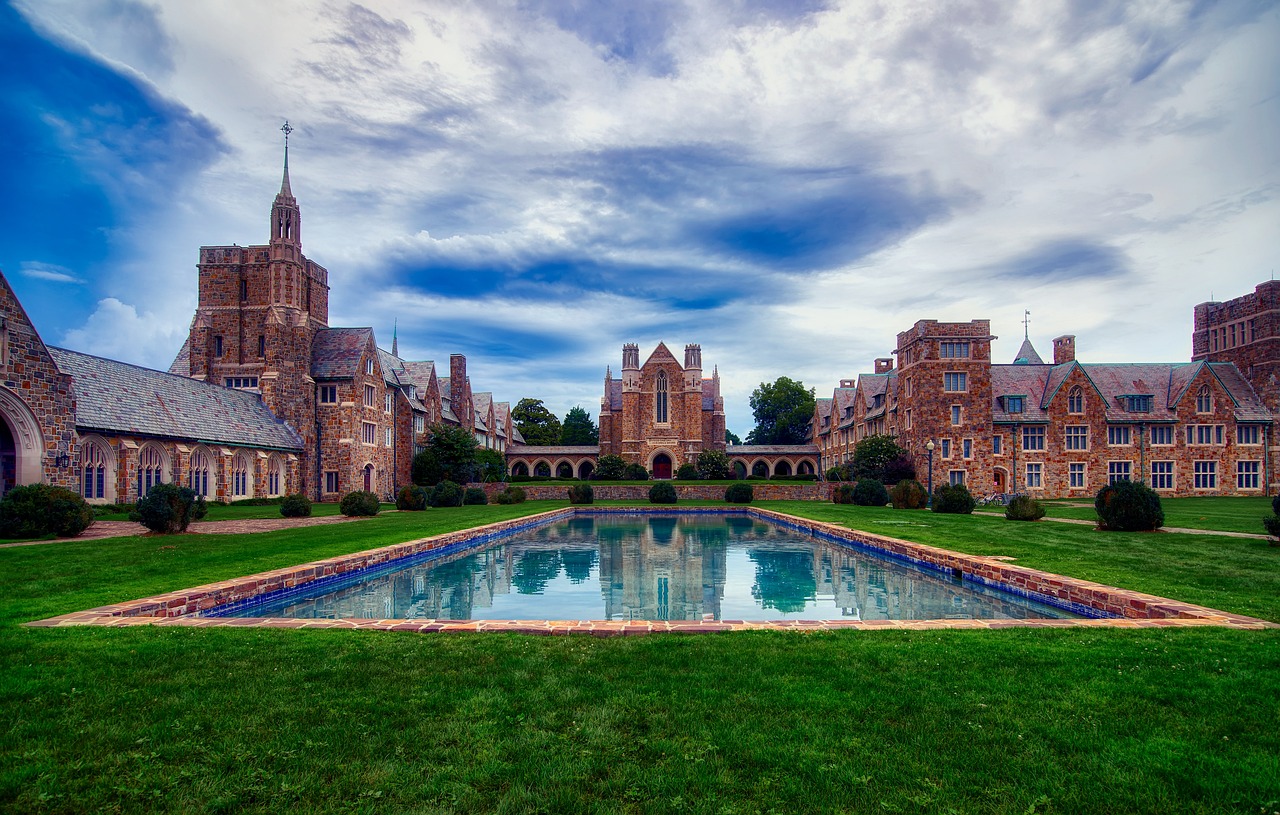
[{"x": 1128, "y": 609}]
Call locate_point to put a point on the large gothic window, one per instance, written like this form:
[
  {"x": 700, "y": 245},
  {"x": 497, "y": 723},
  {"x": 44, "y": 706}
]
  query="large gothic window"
[
  {"x": 275, "y": 475},
  {"x": 201, "y": 472},
  {"x": 242, "y": 476},
  {"x": 1075, "y": 400},
  {"x": 152, "y": 468},
  {"x": 94, "y": 471},
  {"x": 1204, "y": 400},
  {"x": 660, "y": 399}
]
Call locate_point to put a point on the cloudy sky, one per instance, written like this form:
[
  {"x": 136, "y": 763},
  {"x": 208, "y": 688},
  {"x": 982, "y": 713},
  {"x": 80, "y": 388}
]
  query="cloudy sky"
[{"x": 533, "y": 183}]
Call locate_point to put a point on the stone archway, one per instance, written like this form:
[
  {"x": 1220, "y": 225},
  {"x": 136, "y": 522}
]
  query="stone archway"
[
  {"x": 519, "y": 468},
  {"x": 21, "y": 443},
  {"x": 585, "y": 469},
  {"x": 661, "y": 466},
  {"x": 783, "y": 467},
  {"x": 368, "y": 478}
]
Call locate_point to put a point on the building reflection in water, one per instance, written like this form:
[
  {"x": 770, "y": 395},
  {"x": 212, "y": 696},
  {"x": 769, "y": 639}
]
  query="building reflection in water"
[{"x": 637, "y": 567}]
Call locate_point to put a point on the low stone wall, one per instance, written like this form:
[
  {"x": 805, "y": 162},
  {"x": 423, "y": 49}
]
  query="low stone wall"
[{"x": 604, "y": 491}]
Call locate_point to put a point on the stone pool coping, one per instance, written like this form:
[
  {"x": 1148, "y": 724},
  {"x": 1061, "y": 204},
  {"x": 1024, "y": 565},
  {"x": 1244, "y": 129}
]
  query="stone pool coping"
[{"x": 1126, "y": 609}]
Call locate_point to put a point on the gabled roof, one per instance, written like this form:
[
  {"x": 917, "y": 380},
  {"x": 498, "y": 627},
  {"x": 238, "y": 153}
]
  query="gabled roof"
[
  {"x": 615, "y": 394},
  {"x": 418, "y": 373},
  {"x": 661, "y": 354},
  {"x": 1027, "y": 354},
  {"x": 392, "y": 367},
  {"x": 116, "y": 397},
  {"x": 182, "y": 363},
  {"x": 335, "y": 352},
  {"x": 1021, "y": 379}
]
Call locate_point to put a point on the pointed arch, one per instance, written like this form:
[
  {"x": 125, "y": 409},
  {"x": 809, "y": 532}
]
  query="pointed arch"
[
  {"x": 1204, "y": 399},
  {"x": 21, "y": 443},
  {"x": 97, "y": 470},
  {"x": 277, "y": 476},
  {"x": 242, "y": 475},
  {"x": 660, "y": 398},
  {"x": 154, "y": 467},
  {"x": 1075, "y": 400},
  {"x": 203, "y": 475}
]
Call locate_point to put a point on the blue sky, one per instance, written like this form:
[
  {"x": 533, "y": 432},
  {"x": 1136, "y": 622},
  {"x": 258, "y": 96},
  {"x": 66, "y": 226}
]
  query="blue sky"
[{"x": 534, "y": 184}]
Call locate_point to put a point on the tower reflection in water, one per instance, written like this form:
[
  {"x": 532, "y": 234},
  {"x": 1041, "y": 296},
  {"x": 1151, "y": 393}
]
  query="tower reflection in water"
[{"x": 677, "y": 567}]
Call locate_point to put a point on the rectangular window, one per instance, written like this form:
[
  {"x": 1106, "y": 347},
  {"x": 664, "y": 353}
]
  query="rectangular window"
[
  {"x": 953, "y": 350},
  {"x": 1206, "y": 475},
  {"x": 967, "y": 447},
  {"x": 1161, "y": 435},
  {"x": 368, "y": 367},
  {"x": 1033, "y": 438},
  {"x": 906, "y": 386},
  {"x": 955, "y": 477},
  {"x": 908, "y": 420},
  {"x": 1118, "y": 471},
  {"x": 217, "y": 346},
  {"x": 945, "y": 444},
  {"x": 262, "y": 345},
  {"x": 1247, "y": 474},
  {"x": 1162, "y": 475},
  {"x": 1205, "y": 433},
  {"x": 331, "y": 481},
  {"x": 370, "y": 396},
  {"x": 387, "y": 432},
  {"x": 244, "y": 289},
  {"x": 419, "y": 424},
  {"x": 242, "y": 382},
  {"x": 390, "y": 401},
  {"x": 368, "y": 433},
  {"x": 955, "y": 414},
  {"x": 1118, "y": 435},
  {"x": 1035, "y": 476},
  {"x": 329, "y": 394},
  {"x": 1013, "y": 404},
  {"x": 1248, "y": 434},
  {"x": 1139, "y": 404},
  {"x": 1075, "y": 476},
  {"x": 995, "y": 444},
  {"x": 1077, "y": 436},
  {"x": 955, "y": 382}
]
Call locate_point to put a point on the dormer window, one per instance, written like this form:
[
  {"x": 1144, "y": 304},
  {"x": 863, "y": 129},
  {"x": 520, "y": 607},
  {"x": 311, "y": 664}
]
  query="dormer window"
[
  {"x": 1014, "y": 404},
  {"x": 1139, "y": 404},
  {"x": 368, "y": 367},
  {"x": 878, "y": 400}
]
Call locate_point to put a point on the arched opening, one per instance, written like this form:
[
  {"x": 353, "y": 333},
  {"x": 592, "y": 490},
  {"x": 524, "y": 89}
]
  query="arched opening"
[
  {"x": 782, "y": 468},
  {"x": 739, "y": 470},
  {"x": 662, "y": 466},
  {"x": 1000, "y": 479},
  {"x": 564, "y": 470},
  {"x": 153, "y": 468},
  {"x": 542, "y": 469},
  {"x": 97, "y": 471},
  {"x": 241, "y": 476},
  {"x": 660, "y": 399},
  {"x": 21, "y": 443},
  {"x": 760, "y": 469},
  {"x": 202, "y": 478},
  {"x": 520, "y": 469},
  {"x": 585, "y": 469},
  {"x": 368, "y": 478},
  {"x": 276, "y": 481},
  {"x": 805, "y": 468}
]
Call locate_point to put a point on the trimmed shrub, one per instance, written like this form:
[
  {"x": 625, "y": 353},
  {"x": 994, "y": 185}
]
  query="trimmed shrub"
[
  {"x": 411, "y": 498},
  {"x": 637, "y": 472},
  {"x": 36, "y": 510},
  {"x": 834, "y": 474},
  {"x": 953, "y": 499},
  {"x": 687, "y": 472},
  {"x": 713, "y": 464},
  {"x": 511, "y": 495},
  {"x": 1128, "y": 506},
  {"x": 739, "y": 493},
  {"x": 581, "y": 494},
  {"x": 843, "y": 493},
  {"x": 610, "y": 467},
  {"x": 662, "y": 493},
  {"x": 908, "y": 494},
  {"x": 1275, "y": 504},
  {"x": 1024, "y": 508},
  {"x": 1271, "y": 524},
  {"x": 359, "y": 504},
  {"x": 869, "y": 492},
  {"x": 446, "y": 494},
  {"x": 168, "y": 509},
  {"x": 475, "y": 497},
  {"x": 295, "y": 506},
  {"x": 899, "y": 468}
]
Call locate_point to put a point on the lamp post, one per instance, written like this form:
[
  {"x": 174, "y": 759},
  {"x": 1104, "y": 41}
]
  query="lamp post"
[{"x": 928, "y": 502}]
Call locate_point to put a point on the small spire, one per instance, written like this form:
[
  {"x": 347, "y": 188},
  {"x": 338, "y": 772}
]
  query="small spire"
[
  {"x": 1026, "y": 324},
  {"x": 395, "y": 346},
  {"x": 608, "y": 373},
  {"x": 284, "y": 184}
]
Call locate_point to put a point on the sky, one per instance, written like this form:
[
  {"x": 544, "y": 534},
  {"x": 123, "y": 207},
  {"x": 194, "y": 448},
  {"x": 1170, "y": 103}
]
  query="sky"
[{"x": 534, "y": 183}]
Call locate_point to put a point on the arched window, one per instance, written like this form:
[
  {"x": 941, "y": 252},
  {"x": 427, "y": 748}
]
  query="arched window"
[
  {"x": 520, "y": 468},
  {"x": 202, "y": 472},
  {"x": 242, "y": 476},
  {"x": 564, "y": 470},
  {"x": 93, "y": 471},
  {"x": 660, "y": 399},
  {"x": 275, "y": 476},
  {"x": 542, "y": 469},
  {"x": 1075, "y": 400},
  {"x": 1204, "y": 400},
  {"x": 153, "y": 468}
]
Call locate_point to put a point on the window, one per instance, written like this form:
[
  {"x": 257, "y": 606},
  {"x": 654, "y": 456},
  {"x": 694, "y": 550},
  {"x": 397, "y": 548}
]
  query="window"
[
  {"x": 93, "y": 476},
  {"x": 368, "y": 432},
  {"x": 390, "y": 401},
  {"x": 217, "y": 346},
  {"x": 1118, "y": 435},
  {"x": 242, "y": 382},
  {"x": 954, "y": 382},
  {"x": 1035, "y": 476},
  {"x": 953, "y": 350},
  {"x": 1077, "y": 436},
  {"x": 1013, "y": 404},
  {"x": 331, "y": 481},
  {"x": 1204, "y": 433},
  {"x": 660, "y": 399},
  {"x": 1161, "y": 435},
  {"x": 151, "y": 469},
  {"x": 956, "y": 477},
  {"x": 906, "y": 386},
  {"x": 1118, "y": 471},
  {"x": 262, "y": 345},
  {"x": 368, "y": 367},
  {"x": 1075, "y": 400},
  {"x": 1075, "y": 476},
  {"x": 388, "y": 433},
  {"x": 370, "y": 396},
  {"x": 1206, "y": 475},
  {"x": 413, "y": 391},
  {"x": 967, "y": 448},
  {"x": 1162, "y": 475},
  {"x": 1204, "y": 400},
  {"x": 419, "y": 424},
  {"x": 908, "y": 420},
  {"x": 1033, "y": 438},
  {"x": 955, "y": 414},
  {"x": 244, "y": 289},
  {"x": 240, "y": 476},
  {"x": 1247, "y": 474},
  {"x": 198, "y": 479},
  {"x": 275, "y": 476},
  {"x": 946, "y": 447},
  {"x": 1247, "y": 434},
  {"x": 329, "y": 394},
  {"x": 1139, "y": 404},
  {"x": 996, "y": 442}
]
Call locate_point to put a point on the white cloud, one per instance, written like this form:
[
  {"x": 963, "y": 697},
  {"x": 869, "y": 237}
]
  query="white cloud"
[
  {"x": 48, "y": 271},
  {"x": 117, "y": 331}
]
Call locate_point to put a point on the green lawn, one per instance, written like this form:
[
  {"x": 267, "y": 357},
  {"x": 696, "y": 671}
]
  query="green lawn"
[
  {"x": 253, "y": 720},
  {"x": 1226, "y": 514}
]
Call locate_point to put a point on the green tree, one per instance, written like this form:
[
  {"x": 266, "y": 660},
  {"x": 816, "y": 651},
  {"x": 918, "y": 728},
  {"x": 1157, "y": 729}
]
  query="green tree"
[
  {"x": 873, "y": 456},
  {"x": 578, "y": 428},
  {"x": 537, "y": 424},
  {"x": 490, "y": 465},
  {"x": 454, "y": 449},
  {"x": 610, "y": 467},
  {"x": 783, "y": 411},
  {"x": 713, "y": 464},
  {"x": 730, "y": 437}
]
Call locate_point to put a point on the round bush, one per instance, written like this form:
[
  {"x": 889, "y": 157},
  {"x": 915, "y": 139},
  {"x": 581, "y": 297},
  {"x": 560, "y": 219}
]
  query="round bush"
[
  {"x": 869, "y": 492},
  {"x": 1271, "y": 523},
  {"x": 908, "y": 494},
  {"x": 475, "y": 497},
  {"x": 446, "y": 494},
  {"x": 36, "y": 510},
  {"x": 295, "y": 506},
  {"x": 581, "y": 494},
  {"x": 511, "y": 495},
  {"x": 842, "y": 493},
  {"x": 1275, "y": 504},
  {"x": 687, "y": 472},
  {"x": 713, "y": 464},
  {"x": 1128, "y": 506},
  {"x": 834, "y": 474},
  {"x": 637, "y": 472},
  {"x": 662, "y": 493},
  {"x": 359, "y": 504},
  {"x": 168, "y": 509},
  {"x": 953, "y": 499},
  {"x": 1024, "y": 508},
  {"x": 739, "y": 493},
  {"x": 411, "y": 498}
]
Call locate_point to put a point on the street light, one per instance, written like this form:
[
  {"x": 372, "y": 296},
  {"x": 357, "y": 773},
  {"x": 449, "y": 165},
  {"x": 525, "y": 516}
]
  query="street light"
[{"x": 928, "y": 502}]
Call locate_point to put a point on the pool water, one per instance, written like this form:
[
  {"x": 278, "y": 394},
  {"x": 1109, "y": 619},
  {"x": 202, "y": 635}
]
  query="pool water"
[{"x": 647, "y": 567}]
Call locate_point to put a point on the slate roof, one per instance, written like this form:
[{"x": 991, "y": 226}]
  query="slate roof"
[
  {"x": 182, "y": 363},
  {"x": 1027, "y": 354},
  {"x": 116, "y": 397},
  {"x": 335, "y": 352},
  {"x": 615, "y": 395},
  {"x": 766, "y": 449},
  {"x": 1030, "y": 381},
  {"x": 553, "y": 449},
  {"x": 709, "y": 394}
]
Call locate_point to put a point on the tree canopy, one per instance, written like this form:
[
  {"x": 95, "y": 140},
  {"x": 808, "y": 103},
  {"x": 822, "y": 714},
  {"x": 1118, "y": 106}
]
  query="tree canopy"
[
  {"x": 783, "y": 411},
  {"x": 730, "y": 437},
  {"x": 537, "y": 424},
  {"x": 450, "y": 455},
  {"x": 578, "y": 428},
  {"x": 880, "y": 457}
]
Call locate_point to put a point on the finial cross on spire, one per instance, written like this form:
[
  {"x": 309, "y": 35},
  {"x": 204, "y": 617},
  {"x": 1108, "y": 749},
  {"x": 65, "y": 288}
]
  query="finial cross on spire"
[{"x": 1026, "y": 324}]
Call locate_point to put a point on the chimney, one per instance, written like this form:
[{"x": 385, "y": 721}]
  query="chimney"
[
  {"x": 884, "y": 365},
  {"x": 1064, "y": 349},
  {"x": 457, "y": 380}
]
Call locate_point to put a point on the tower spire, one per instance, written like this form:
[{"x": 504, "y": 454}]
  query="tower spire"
[
  {"x": 1026, "y": 324},
  {"x": 395, "y": 346},
  {"x": 284, "y": 184}
]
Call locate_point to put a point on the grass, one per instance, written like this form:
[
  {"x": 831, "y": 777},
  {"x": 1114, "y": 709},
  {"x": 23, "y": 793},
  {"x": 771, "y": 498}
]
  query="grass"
[
  {"x": 255, "y": 720},
  {"x": 1225, "y": 514}
]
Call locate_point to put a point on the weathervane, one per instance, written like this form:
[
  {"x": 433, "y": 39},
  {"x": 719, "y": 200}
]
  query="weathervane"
[{"x": 1026, "y": 324}]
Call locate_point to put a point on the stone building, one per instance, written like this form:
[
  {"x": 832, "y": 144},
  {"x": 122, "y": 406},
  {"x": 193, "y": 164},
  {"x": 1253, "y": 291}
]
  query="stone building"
[{"x": 1246, "y": 332}]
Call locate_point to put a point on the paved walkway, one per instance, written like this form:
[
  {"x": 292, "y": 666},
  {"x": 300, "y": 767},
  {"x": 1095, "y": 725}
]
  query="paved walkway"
[
  {"x": 1177, "y": 529},
  {"x": 120, "y": 529}
]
